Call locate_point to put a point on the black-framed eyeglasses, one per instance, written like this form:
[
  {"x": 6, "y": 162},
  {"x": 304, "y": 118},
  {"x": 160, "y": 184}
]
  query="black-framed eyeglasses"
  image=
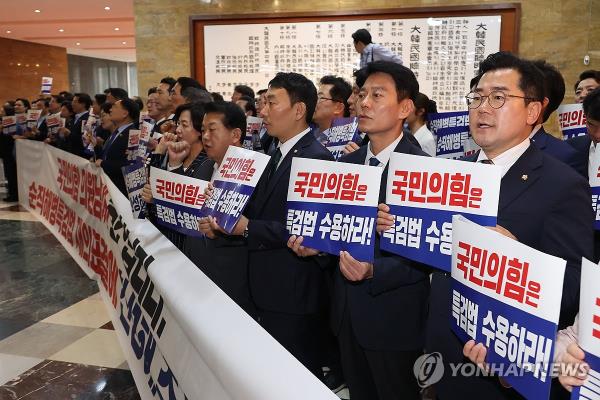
[{"x": 496, "y": 99}]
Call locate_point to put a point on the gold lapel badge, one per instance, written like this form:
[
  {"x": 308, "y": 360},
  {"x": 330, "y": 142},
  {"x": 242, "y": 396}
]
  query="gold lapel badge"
[{"x": 524, "y": 177}]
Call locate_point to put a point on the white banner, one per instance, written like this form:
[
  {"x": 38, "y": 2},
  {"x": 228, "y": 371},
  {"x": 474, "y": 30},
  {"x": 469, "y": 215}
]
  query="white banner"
[
  {"x": 571, "y": 120},
  {"x": 181, "y": 335}
]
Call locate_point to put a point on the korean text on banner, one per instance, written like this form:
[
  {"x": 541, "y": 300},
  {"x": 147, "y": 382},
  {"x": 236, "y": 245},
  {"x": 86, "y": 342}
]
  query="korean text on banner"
[
  {"x": 507, "y": 296},
  {"x": 136, "y": 176},
  {"x": 178, "y": 200},
  {"x": 571, "y": 121},
  {"x": 252, "y": 137},
  {"x": 341, "y": 132},
  {"x": 133, "y": 144},
  {"x": 333, "y": 206},
  {"x": 589, "y": 330},
  {"x": 234, "y": 183},
  {"x": 423, "y": 193},
  {"x": 9, "y": 125},
  {"x": 46, "y": 85},
  {"x": 172, "y": 322},
  {"x": 594, "y": 180},
  {"x": 452, "y": 132}
]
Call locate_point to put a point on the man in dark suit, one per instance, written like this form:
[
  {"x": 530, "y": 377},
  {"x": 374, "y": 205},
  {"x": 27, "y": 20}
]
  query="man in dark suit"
[
  {"x": 223, "y": 258},
  {"x": 124, "y": 114},
  {"x": 542, "y": 204},
  {"x": 379, "y": 309},
  {"x": 554, "y": 93},
  {"x": 81, "y": 104},
  {"x": 289, "y": 291},
  {"x": 586, "y": 146}
]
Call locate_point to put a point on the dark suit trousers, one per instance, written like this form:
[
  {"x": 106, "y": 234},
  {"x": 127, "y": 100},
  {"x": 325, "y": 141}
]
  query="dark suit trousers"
[
  {"x": 376, "y": 375},
  {"x": 299, "y": 334}
]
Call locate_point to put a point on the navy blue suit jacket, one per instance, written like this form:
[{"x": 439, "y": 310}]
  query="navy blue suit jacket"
[
  {"x": 223, "y": 259},
  {"x": 549, "y": 211},
  {"x": 388, "y": 311},
  {"x": 74, "y": 142},
  {"x": 115, "y": 157},
  {"x": 280, "y": 281},
  {"x": 581, "y": 144},
  {"x": 560, "y": 150}
]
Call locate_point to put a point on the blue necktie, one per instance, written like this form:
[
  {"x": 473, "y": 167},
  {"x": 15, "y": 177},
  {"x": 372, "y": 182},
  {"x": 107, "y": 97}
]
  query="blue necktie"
[{"x": 374, "y": 162}]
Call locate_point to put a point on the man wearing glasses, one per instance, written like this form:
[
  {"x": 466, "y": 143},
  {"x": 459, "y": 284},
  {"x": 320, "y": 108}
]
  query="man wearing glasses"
[
  {"x": 543, "y": 204},
  {"x": 332, "y": 103}
]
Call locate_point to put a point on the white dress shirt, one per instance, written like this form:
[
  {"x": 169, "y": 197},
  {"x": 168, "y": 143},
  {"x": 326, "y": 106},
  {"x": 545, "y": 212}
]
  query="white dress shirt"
[
  {"x": 592, "y": 163},
  {"x": 376, "y": 52},
  {"x": 384, "y": 155},
  {"x": 509, "y": 157},
  {"x": 426, "y": 139},
  {"x": 287, "y": 146}
]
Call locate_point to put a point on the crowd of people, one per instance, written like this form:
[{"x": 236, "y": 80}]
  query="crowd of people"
[{"x": 352, "y": 322}]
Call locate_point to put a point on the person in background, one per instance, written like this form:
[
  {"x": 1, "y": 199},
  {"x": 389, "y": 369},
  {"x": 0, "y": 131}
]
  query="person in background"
[
  {"x": 241, "y": 90},
  {"x": 97, "y": 102},
  {"x": 247, "y": 105},
  {"x": 261, "y": 100},
  {"x": 332, "y": 103},
  {"x": 124, "y": 114},
  {"x": 369, "y": 51},
  {"x": 181, "y": 86},
  {"x": 7, "y": 146},
  {"x": 418, "y": 123},
  {"x": 588, "y": 81},
  {"x": 115, "y": 94},
  {"x": 217, "y": 98}
]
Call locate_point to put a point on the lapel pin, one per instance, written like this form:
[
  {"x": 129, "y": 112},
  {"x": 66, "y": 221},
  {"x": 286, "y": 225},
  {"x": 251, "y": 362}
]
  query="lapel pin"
[
  {"x": 524, "y": 177},
  {"x": 295, "y": 151}
]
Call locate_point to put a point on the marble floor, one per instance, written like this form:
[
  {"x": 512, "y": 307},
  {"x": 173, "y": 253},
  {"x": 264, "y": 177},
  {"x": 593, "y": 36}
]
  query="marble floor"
[{"x": 56, "y": 340}]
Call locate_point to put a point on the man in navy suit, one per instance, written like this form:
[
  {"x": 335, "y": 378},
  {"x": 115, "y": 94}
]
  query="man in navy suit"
[
  {"x": 289, "y": 291},
  {"x": 586, "y": 146},
  {"x": 542, "y": 204},
  {"x": 124, "y": 114},
  {"x": 223, "y": 258},
  {"x": 81, "y": 104},
  {"x": 380, "y": 308},
  {"x": 554, "y": 93}
]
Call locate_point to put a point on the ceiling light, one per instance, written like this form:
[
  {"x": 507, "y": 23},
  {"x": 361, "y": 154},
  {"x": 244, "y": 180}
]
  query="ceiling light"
[
  {"x": 124, "y": 42},
  {"x": 37, "y": 65},
  {"x": 18, "y": 64},
  {"x": 61, "y": 30},
  {"x": 107, "y": 8},
  {"x": 116, "y": 29},
  {"x": 8, "y": 31},
  {"x": 78, "y": 44},
  {"x": 37, "y": 11}
]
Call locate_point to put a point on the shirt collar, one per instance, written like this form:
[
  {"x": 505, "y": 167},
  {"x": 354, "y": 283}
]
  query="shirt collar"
[
  {"x": 77, "y": 116},
  {"x": 123, "y": 127},
  {"x": 535, "y": 130},
  {"x": 384, "y": 155},
  {"x": 287, "y": 146},
  {"x": 509, "y": 157}
]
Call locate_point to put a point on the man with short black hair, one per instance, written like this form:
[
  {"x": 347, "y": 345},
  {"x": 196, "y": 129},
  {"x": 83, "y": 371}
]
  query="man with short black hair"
[
  {"x": 588, "y": 81},
  {"x": 181, "y": 85},
  {"x": 115, "y": 94},
  {"x": 288, "y": 291},
  {"x": 124, "y": 114},
  {"x": 380, "y": 308},
  {"x": 164, "y": 104},
  {"x": 81, "y": 104},
  {"x": 542, "y": 205},
  {"x": 223, "y": 258},
  {"x": 554, "y": 92},
  {"x": 241, "y": 90},
  {"x": 261, "y": 100},
  {"x": 370, "y": 51},
  {"x": 247, "y": 105},
  {"x": 332, "y": 103}
]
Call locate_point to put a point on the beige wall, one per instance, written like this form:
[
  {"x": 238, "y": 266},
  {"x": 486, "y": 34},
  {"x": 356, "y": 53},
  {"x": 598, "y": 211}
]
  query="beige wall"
[{"x": 555, "y": 30}]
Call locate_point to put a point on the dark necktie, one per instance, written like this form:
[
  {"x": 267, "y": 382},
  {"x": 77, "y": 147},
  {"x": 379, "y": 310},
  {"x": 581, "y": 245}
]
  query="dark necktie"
[
  {"x": 275, "y": 158},
  {"x": 374, "y": 162}
]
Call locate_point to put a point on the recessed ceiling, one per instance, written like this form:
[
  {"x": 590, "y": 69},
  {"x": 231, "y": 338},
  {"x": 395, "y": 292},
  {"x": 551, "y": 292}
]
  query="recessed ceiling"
[{"x": 100, "y": 32}]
